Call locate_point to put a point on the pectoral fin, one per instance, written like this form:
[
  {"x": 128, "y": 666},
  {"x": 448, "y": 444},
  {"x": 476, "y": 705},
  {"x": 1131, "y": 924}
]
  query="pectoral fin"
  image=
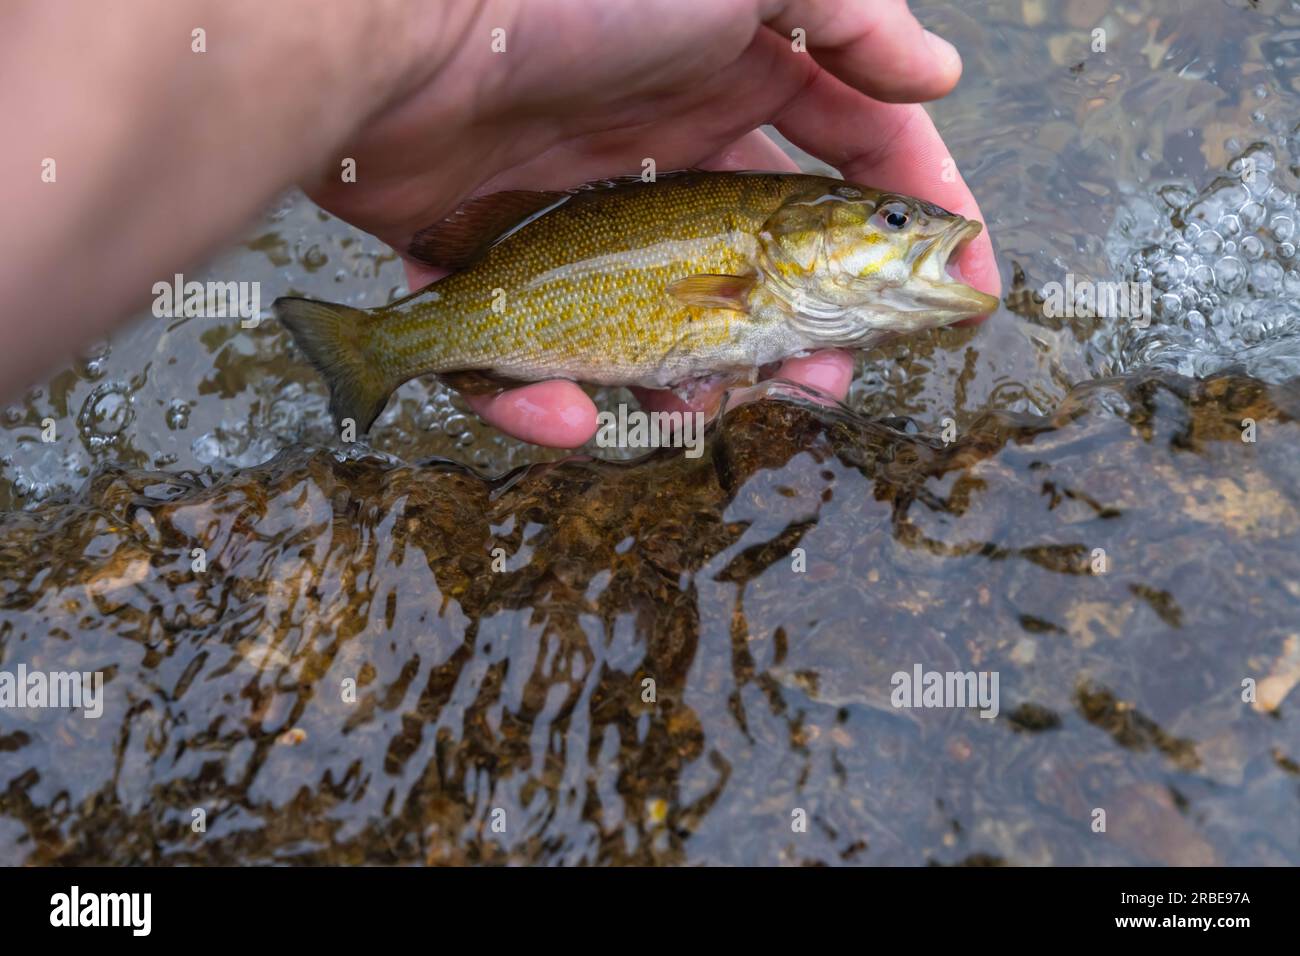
[{"x": 714, "y": 291}]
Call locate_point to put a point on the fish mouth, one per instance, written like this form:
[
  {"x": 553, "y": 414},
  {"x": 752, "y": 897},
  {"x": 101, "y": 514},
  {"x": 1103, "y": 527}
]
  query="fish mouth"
[{"x": 938, "y": 281}]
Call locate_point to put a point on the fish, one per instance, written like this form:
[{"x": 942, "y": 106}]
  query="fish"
[{"x": 660, "y": 284}]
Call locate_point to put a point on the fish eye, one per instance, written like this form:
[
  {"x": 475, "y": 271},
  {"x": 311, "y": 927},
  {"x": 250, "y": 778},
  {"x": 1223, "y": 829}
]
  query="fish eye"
[{"x": 894, "y": 216}]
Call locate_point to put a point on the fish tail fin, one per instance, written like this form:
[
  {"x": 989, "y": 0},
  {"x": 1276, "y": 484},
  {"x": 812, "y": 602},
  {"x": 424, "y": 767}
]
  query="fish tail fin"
[{"x": 336, "y": 339}]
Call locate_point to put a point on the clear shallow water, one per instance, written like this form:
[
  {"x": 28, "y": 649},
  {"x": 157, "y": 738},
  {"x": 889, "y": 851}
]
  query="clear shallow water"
[{"x": 521, "y": 689}]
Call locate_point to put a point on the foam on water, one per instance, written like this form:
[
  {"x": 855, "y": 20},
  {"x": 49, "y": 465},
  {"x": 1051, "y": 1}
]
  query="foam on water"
[{"x": 1224, "y": 273}]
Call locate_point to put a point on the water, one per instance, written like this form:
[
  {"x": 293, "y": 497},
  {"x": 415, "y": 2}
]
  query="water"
[{"x": 518, "y": 693}]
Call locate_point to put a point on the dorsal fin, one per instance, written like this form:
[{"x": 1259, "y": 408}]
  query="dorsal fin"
[
  {"x": 482, "y": 222},
  {"x": 477, "y": 225},
  {"x": 614, "y": 182}
]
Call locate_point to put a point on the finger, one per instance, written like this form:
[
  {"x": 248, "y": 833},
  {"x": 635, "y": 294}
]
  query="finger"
[
  {"x": 557, "y": 414},
  {"x": 878, "y": 48},
  {"x": 755, "y": 150},
  {"x": 892, "y": 147},
  {"x": 704, "y": 398},
  {"x": 418, "y": 275},
  {"x": 828, "y": 372}
]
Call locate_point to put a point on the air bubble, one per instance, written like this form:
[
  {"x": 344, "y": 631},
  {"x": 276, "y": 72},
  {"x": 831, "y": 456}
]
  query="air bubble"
[
  {"x": 206, "y": 449},
  {"x": 1229, "y": 274},
  {"x": 1176, "y": 195},
  {"x": 1279, "y": 200},
  {"x": 105, "y": 414},
  {"x": 1203, "y": 278},
  {"x": 1259, "y": 186},
  {"x": 94, "y": 361},
  {"x": 1209, "y": 243},
  {"x": 314, "y": 258},
  {"x": 1169, "y": 274},
  {"x": 178, "y": 414},
  {"x": 455, "y": 425},
  {"x": 1253, "y": 214},
  {"x": 1234, "y": 196},
  {"x": 1266, "y": 277},
  {"x": 1263, "y": 158}
]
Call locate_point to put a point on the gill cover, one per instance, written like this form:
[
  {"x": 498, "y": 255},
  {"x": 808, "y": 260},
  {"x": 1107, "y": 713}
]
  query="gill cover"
[{"x": 851, "y": 262}]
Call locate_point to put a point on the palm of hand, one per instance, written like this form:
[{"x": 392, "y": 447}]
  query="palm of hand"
[{"x": 603, "y": 99}]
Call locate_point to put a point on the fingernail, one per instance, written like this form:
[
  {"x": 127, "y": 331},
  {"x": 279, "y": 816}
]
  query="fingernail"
[{"x": 943, "y": 51}]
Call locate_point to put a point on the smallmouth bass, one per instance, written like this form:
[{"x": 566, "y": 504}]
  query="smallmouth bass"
[{"x": 656, "y": 284}]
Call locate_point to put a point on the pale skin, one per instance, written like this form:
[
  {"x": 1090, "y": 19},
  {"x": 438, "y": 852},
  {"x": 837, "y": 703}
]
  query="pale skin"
[{"x": 164, "y": 153}]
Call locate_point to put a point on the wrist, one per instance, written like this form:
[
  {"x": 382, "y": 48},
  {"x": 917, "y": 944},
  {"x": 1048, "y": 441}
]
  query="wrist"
[{"x": 412, "y": 45}]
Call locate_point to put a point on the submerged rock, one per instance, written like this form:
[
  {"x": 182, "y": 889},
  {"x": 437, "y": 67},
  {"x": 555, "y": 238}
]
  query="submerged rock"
[{"x": 679, "y": 660}]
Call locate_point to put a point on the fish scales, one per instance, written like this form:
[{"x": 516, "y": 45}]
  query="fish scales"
[{"x": 603, "y": 308}]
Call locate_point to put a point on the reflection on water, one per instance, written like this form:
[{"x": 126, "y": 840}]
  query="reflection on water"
[{"x": 381, "y": 656}]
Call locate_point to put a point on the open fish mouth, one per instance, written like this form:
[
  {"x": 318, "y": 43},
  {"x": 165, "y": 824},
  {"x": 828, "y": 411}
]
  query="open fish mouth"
[{"x": 938, "y": 282}]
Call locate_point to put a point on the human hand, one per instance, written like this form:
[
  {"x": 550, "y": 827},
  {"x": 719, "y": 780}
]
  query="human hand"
[{"x": 539, "y": 117}]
